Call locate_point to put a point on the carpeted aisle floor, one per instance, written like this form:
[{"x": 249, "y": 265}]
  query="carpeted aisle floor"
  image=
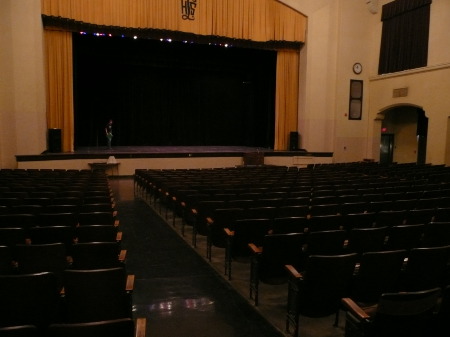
[{"x": 175, "y": 288}]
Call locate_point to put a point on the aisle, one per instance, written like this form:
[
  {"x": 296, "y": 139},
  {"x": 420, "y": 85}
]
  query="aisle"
[{"x": 175, "y": 289}]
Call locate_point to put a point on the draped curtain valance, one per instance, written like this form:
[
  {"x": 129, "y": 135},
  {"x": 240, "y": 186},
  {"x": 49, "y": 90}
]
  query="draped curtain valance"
[
  {"x": 247, "y": 23},
  {"x": 400, "y": 7},
  {"x": 255, "y": 20}
]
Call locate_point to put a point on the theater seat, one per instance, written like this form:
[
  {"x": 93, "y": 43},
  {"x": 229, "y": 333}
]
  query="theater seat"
[
  {"x": 97, "y": 295},
  {"x": 124, "y": 327},
  {"x": 404, "y": 314}
]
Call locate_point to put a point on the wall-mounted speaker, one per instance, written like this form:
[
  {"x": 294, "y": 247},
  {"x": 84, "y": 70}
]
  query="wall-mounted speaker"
[
  {"x": 54, "y": 140},
  {"x": 293, "y": 141}
]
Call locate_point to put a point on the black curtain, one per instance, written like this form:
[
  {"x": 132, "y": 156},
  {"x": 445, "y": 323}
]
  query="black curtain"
[
  {"x": 172, "y": 93},
  {"x": 404, "y": 40}
]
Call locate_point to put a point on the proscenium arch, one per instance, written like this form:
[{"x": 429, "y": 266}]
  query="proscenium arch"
[
  {"x": 262, "y": 21},
  {"x": 380, "y": 117}
]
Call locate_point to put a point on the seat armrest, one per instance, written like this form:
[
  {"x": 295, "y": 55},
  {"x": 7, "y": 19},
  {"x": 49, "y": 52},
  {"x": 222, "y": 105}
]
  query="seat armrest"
[
  {"x": 119, "y": 236},
  {"x": 255, "y": 249},
  {"x": 228, "y": 232},
  {"x": 209, "y": 221},
  {"x": 141, "y": 325},
  {"x": 116, "y": 223},
  {"x": 130, "y": 283},
  {"x": 354, "y": 308},
  {"x": 194, "y": 211},
  {"x": 293, "y": 272},
  {"x": 122, "y": 255}
]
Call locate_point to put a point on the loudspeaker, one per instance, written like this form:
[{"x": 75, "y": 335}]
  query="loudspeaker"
[
  {"x": 54, "y": 140},
  {"x": 293, "y": 141}
]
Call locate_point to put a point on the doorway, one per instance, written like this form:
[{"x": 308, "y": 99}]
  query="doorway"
[
  {"x": 408, "y": 126},
  {"x": 387, "y": 148}
]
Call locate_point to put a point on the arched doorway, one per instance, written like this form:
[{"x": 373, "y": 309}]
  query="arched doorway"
[{"x": 403, "y": 135}]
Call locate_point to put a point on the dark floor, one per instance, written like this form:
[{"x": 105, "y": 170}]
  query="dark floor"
[
  {"x": 169, "y": 149},
  {"x": 182, "y": 294}
]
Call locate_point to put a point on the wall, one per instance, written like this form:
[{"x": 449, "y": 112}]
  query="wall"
[
  {"x": 22, "y": 89},
  {"x": 340, "y": 32},
  {"x": 428, "y": 88},
  {"x": 325, "y": 72}
]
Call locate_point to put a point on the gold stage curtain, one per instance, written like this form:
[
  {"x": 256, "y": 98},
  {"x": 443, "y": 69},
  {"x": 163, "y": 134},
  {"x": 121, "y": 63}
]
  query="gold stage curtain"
[
  {"x": 255, "y": 20},
  {"x": 58, "y": 47},
  {"x": 286, "y": 101}
]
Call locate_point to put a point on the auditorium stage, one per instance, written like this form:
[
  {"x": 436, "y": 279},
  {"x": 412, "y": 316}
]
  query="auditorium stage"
[{"x": 124, "y": 160}]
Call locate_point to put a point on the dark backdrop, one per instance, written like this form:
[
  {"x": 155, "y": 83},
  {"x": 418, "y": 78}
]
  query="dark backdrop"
[{"x": 172, "y": 93}]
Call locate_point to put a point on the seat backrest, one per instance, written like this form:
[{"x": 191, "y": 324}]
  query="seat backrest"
[
  {"x": 96, "y": 233},
  {"x": 6, "y": 260},
  {"x": 358, "y": 220},
  {"x": 425, "y": 268},
  {"x": 98, "y": 207},
  {"x": 291, "y": 224},
  {"x": 420, "y": 216},
  {"x": 406, "y": 313},
  {"x": 95, "y": 255},
  {"x": 266, "y": 212},
  {"x": 292, "y": 211},
  {"x": 30, "y": 299},
  {"x": 325, "y": 242},
  {"x": 96, "y": 295},
  {"x": 122, "y": 327},
  {"x": 37, "y": 258},
  {"x": 361, "y": 240},
  {"x": 325, "y": 222},
  {"x": 57, "y": 219},
  {"x": 405, "y": 236},
  {"x": 17, "y": 220},
  {"x": 223, "y": 217},
  {"x": 325, "y": 281},
  {"x": 97, "y": 199},
  {"x": 61, "y": 209},
  {"x": 67, "y": 201},
  {"x": 436, "y": 234},
  {"x": 96, "y": 218},
  {"x": 352, "y": 207},
  {"x": 20, "y": 331},
  {"x": 323, "y": 209},
  {"x": 26, "y": 209},
  {"x": 247, "y": 231},
  {"x": 390, "y": 218},
  {"x": 378, "y": 273},
  {"x": 442, "y": 326},
  {"x": 10, "y": 236},
  {"x": 53, "y": 234},
  {"x": 280, "y": 250}
]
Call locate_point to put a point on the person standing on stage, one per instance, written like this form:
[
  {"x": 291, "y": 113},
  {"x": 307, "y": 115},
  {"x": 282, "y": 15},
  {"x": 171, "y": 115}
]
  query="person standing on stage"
[{"x": 108, "y": 131}]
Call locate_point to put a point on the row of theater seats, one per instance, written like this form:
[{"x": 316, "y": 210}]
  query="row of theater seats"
[
  {"x": 62, "y": 269},
  {"x": 204, "y": 209},
  {"x": 94, "y": 302},
  {"x": 26, "y": 220},
  {"x": 391, "y": 256},
  {"x": 378, "y": 295}
]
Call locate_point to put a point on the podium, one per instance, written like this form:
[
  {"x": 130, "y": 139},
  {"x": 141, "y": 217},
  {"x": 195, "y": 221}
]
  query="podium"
[{"x": 253, "y": 158}]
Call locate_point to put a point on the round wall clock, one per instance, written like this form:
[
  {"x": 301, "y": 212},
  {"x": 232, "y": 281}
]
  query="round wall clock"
[{"x": 357, "y": 68}]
